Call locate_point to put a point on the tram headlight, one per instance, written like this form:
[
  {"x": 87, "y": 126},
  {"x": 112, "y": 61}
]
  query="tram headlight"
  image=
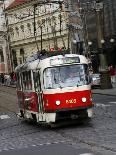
[
  {"x": 84, "y": 99},
  {"x": 57, "y": 102}
]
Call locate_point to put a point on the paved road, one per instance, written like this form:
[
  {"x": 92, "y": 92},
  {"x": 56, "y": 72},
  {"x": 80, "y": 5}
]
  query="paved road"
[
  {"x": 56, "y": 149},
  {"x": 8, "y": 99},
  {"x": 21, "y": 137}
]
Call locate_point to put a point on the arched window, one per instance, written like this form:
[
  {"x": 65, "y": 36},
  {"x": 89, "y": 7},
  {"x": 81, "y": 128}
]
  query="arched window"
[
  {"x": 22, "y": 53},
  {"x": 22, "y": 28},
  {"x": 17, "y": 30},
  {"x": 11, "y": 30},
  {"x": 29, "y": 27},
  {"x": 1, "y": 56},
  {"x": 43, "y": 22},
  {"x": 39, "y": 22},
  {"x": 14, "y": 58}
]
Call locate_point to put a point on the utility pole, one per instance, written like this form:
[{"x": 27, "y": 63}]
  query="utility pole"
[
  {"x": 60, "y": 6},
  {"x": 35, "y": 35},
  {"x": 41, "y": 38}
]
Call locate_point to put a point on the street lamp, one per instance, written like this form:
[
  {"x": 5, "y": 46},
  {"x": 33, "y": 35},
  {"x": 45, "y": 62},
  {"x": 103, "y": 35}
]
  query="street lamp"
[
  {"x": 89, "y": 43},
  {"x": 102, "y": 41},
  {"x": 89, "y": 52},
  {"x": 74, "y": 41},
  {"x": 75, "y": 45},
  {"x": 103, "y": 63},
  {"x": 112, "y": 40},
  {"x": 103, "y": 68}
]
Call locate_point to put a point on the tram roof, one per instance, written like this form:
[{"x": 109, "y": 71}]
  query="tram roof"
[{"x": 44, "y": 61}]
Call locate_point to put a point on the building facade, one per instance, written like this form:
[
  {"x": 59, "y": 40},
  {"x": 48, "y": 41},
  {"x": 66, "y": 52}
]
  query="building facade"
[
  {"x": 35, "y": 26},
  {"x": 3, "y": 56},
  {"x": 105, "y": 18},
  {"x": 4, "y": 53}
]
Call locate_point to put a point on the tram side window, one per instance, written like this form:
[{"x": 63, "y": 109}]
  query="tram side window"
[
  {"x": 18, "y": 81},
  {"x": 36, "y": 80},
  {"x": 27, "y": 82}
]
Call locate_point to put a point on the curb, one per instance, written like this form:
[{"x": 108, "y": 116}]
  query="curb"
[
  {"x": 9, "y": 86},
  {"x": 104, "y": 94}
]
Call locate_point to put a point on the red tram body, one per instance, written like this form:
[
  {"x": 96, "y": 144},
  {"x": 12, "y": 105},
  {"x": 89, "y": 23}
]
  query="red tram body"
[{"x": 54, "y": 88}]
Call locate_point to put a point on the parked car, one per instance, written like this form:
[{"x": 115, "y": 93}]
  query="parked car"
[{"x": 95, "y": 80}]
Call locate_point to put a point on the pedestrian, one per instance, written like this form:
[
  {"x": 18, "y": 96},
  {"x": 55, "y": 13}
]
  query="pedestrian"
[
  {"x": 8, "y": 80},
  {"x": 2, "y": 78},
  {"x": 112, "y": 73},
  {"x": 14, "y": 78}
]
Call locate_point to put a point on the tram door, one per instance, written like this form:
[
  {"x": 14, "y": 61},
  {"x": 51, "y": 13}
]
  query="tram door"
[{"x": 37, "y": 86}]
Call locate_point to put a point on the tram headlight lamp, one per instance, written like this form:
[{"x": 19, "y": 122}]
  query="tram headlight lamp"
[
  {"x": 58, "y": 102},
  {"x": 84, "y": 99}
]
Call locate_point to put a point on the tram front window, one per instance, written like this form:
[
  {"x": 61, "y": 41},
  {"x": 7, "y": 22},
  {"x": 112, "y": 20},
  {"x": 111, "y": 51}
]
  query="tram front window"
[{"x": 66, "y": 76}]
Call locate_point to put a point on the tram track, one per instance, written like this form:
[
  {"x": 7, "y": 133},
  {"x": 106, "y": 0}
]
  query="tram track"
[
  {"x": 70, "y": 139},
  {"x": 76, "y": 140}
]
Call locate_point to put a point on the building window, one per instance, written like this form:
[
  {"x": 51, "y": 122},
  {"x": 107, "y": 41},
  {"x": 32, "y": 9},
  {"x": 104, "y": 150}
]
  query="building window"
[
  {"x": 1, "y": 56},
  {"x": 43, "y": 22},
  {"x": 17, "y": 30},
  {"x": 14, "y": 59},
  {"x": 22, "y": 28},
  {"x": 29, "y": 27},
  {"x": 39, "y": 22},
  {"x": 22, "y": 53},
  {"x": 11, "y": 30},
  {"x": 20, "y": 61}
]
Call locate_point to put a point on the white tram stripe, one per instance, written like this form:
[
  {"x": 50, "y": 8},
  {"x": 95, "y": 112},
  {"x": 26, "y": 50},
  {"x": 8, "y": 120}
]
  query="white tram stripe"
[{"x": 67, "y": 89}]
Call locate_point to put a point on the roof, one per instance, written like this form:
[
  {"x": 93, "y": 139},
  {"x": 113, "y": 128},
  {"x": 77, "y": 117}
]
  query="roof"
[
  {"x": 71, "y": 59},
  {"x": 16, "y": 3}
]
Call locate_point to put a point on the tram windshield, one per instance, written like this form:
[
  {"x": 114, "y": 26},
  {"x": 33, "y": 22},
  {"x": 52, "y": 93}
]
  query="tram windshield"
[{"x": 66, "y": 76}]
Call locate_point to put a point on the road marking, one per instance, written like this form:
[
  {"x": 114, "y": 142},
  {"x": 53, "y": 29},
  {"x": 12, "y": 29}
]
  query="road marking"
[
  {"x": 4, "y": 117},
  {"x": 102, "y": 105},
  {"x": 87, "y": 154},
  {"x": 112, "y": 102}
]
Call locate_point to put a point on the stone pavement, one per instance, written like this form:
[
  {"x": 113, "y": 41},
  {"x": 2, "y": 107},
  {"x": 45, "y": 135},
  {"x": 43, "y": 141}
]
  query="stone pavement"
[{"x": 111, "y": 92}]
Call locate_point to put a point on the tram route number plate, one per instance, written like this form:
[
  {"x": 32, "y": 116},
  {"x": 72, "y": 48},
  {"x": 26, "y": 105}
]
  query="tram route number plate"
[{"x": 71, "y": 101}]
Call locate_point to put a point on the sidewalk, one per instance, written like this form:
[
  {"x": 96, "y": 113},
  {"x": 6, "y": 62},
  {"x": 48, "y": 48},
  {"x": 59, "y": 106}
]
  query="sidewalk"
[{"x": 111, "y": 92}]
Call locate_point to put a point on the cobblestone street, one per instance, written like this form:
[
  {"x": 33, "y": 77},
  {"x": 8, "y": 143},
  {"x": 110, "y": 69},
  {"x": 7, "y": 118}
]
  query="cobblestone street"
[
  {"x": 57, "y": 77},
  {"x": 97, "y": 137}
]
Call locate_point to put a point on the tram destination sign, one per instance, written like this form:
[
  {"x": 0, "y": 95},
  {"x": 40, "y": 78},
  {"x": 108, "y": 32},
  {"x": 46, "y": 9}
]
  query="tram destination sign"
[{"x": 65, "y": 60}]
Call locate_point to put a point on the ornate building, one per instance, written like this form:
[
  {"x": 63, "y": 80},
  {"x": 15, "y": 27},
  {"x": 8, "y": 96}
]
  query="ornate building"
[
  {"x": 105, "y": 17},
  {"x": 4, "y": 53},
  {"x": 34, "y": 26},
  {"x": 3, "y": 59}
]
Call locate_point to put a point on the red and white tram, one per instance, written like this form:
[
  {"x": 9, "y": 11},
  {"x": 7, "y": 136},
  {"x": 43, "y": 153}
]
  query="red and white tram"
[{"x": 54, "y": 88}]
